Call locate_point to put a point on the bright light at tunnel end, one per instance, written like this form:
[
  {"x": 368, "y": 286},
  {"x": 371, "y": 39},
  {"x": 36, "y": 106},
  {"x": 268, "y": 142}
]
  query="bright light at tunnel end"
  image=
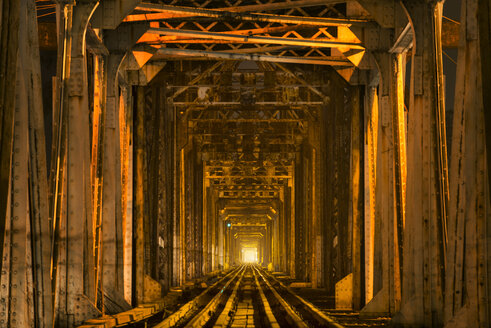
[{"x": 249, "y": 255}]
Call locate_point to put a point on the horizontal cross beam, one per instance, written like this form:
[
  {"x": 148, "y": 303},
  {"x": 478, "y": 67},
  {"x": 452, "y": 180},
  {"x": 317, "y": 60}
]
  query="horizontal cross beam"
[
  {"x": 171, "y": 12},
  {"x": 318, "y": 43},
  {"x": 245, "y": 120},
  {"x": 247, "y": 176},
  {"x": 330, "y": 61},
  {"x": 259, "y": 103}
]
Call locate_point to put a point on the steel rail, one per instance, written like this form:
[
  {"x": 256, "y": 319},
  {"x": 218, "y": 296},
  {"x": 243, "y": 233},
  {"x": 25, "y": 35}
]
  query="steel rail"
[
  {"x": 187, "y": 309},
  {"x": 224, "y": 317},
  {"x": 307, "y": 308},
  {"x": 206, "y": 313},
  {"x": 265, "y": 303},
  {"x": 295, "y": 319}
]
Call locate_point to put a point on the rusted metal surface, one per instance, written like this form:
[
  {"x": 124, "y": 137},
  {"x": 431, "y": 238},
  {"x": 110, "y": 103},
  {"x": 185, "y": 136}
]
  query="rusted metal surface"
[
  {"x": 243, "y": 138},
  {"x": 469, "y": 206},
  {"x": 327, "y": 24},
  {"x": 48, "y": 38},
  {"x": 424, "y": 242},
  {"x": 75, "y": 251},
  {"x": 8, "y": 69},
  {"x": 16, "y": 288}
]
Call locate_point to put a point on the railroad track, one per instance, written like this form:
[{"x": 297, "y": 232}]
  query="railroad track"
[{"x": 248, "y": 297}]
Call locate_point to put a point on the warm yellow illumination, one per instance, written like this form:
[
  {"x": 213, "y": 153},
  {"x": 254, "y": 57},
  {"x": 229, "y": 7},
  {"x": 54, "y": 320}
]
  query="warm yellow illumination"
[{"x": 249, "y": 255}]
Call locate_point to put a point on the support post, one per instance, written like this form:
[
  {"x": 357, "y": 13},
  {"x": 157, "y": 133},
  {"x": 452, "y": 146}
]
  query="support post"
[
  {"x": 425, "y": 227},
  {"x": 386, "y": 238},
  {"x": 371, "y": 128},
  {"x": 357, "y": 197},
  {"x": 9, "y": 39},
  {"x": 138, "y": 209},
  {"x": 468, "y": 265},
  {"x": 112, "y": 225},
  {"x": 16, "y": 290},
  {"x": 75, "y": 280}
]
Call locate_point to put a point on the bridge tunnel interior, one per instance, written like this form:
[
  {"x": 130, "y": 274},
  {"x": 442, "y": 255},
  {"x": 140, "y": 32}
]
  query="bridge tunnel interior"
[
  {"x": 333, "y": 155},
  {"x": 248, "y": 163}
]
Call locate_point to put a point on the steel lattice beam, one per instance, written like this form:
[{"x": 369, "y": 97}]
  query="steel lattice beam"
[
  {"x": 321, "y": 43},
  {"x": 170, "y": 12},
  {"x": 330, "y": 61}
]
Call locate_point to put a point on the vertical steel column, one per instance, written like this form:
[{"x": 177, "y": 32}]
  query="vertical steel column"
[
  {"x": 468, "y": 274},
  {"x": 112, "y": 236},
  {"x": 299, "y": 219},
  {"x": 221, "y": 242},
  {"x": 215, "y": 233},
  {"x": 425, "y": 226},
  {"x": 169, "y": 195},
  {"x": 484, "y": 21},
  {"x": 74, "y": 278},
  {"x": 399, "y": 135},
  {"x": 38, "y": 180},
  {"x": 138, "y": 207},
  {"x": 276, "y": 250},
  {"x": 315, "y": 202},
  {"x": 356, "y": 177},
  {"x": 205, "y": 220},
  {"x": 484, "y": 17},
  {"x": 97, "y": 147},
  {"x": 126, "y": 114},
  {"x": 329, "y": 158},
  {"x": 25, "y": 282},
  {"x": 176, "y": 272},
  {"x": 182, "y": 216},
  {"x": 16, "y": 290},
  {"x": 385, "y": 239},
  {"x": 9, "y": 39},
  {"x": 371, "y": 128}
]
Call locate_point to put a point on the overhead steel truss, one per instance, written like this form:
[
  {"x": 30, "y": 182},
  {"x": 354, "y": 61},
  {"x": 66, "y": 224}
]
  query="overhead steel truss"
[{"x": 304, "y": 31}]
